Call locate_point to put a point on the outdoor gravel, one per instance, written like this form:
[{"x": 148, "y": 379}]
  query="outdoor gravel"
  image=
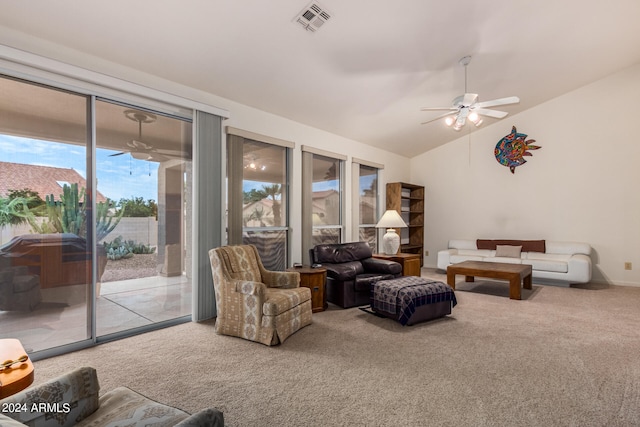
[{"x": 131, "y": 268}]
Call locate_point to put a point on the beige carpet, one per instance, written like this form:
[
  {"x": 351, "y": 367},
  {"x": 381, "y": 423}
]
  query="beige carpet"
[{"x": 559, "y": 357}]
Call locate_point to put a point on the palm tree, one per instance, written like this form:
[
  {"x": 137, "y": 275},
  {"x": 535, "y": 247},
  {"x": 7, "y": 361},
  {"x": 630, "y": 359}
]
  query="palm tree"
[
  {"x": 14, "y": 211},
  {"x": 272, "y": 191},
  {"x": 258, "y": 215}
]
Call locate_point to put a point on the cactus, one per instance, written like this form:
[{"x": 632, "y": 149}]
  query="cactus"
[
  {"x": 118, "y": 249},
  {"x": 104, "y": 224},
  {"x": 66, "y": 216},
  {"x": 140, "y": 248},
  {"x": 73, "y": 211},
  {"x": 69, "y": 214},
  {"x": 118, "y": 253}
]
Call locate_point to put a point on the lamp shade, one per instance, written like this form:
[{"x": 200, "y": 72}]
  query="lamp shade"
[
  {"x": 391, "y": 219},
  {"x": 391, "y": 240}
]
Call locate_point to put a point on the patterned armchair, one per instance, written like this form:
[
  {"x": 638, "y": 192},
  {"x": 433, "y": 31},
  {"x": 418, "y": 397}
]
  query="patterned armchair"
[{"x": 254, "y": 303}]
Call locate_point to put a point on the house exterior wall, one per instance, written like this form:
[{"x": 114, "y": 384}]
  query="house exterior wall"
[{"x": 140, "y": 230}]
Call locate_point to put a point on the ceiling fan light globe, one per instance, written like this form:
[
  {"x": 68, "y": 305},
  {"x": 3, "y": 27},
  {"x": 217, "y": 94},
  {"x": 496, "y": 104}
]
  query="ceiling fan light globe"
[
  {"x": 449, "y": 120},
  {"x": 473, "y": 116}
]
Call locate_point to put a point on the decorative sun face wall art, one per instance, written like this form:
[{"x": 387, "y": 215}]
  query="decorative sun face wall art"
[{"x": 512, "y": 148}]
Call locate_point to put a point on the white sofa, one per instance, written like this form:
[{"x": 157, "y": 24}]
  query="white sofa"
[{"x": 568, "y": 262}]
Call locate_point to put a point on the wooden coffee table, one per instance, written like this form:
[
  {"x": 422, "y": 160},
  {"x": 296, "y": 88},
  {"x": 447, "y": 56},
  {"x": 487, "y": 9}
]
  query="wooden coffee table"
[
  {"x": 20, "y": 375},
  {"x": 514, "y": 273}
]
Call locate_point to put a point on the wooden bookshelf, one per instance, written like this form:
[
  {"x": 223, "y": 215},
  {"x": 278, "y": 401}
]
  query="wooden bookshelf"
[{"x": 408, "y": 201}]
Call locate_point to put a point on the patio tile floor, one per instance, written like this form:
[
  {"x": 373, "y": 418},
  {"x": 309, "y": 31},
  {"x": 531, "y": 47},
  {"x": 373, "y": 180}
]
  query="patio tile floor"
[{"x": 61, "y": 317}]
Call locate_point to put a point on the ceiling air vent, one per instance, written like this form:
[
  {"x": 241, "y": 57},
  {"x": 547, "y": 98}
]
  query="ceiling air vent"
[{"x": 312, "y": 17}]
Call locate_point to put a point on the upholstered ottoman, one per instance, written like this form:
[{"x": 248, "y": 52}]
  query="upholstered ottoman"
[{"x": 411, "y": 300}]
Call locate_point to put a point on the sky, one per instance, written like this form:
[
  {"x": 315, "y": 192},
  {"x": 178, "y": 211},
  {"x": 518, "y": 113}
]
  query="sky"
[{"x": 119, "y": 177}]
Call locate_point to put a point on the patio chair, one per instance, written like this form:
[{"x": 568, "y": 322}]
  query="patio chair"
[
  {"x": 254, "y": 303},
  {"x": 19, "y": 290}
]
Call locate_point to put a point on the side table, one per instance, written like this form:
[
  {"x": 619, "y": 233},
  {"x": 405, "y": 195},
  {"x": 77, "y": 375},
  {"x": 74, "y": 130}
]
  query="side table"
[
  {"x": 314, "y": 279},
  {"x": 410, "y": 262},
  {"x": 19, "y": 375}
]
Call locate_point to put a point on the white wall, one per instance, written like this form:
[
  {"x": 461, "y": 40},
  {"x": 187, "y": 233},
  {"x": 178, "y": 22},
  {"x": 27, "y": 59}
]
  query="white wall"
[
  {"x": 396, "y": 167},
  {"x": 580, "y": 186}
]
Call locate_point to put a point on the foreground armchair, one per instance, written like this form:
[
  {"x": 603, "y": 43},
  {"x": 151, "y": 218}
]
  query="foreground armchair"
[
  {"x": 72, "y": 400},
  {"x": 254, "y": 303}
]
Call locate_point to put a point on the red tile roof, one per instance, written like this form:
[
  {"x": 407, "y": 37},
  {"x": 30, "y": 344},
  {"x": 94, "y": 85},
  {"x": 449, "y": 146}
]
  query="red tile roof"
[{"x": 44, "y": 180}]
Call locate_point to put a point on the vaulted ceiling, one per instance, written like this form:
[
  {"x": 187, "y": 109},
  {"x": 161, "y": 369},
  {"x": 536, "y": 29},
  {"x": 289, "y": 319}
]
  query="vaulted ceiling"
[{"x": 366, "y": 73}]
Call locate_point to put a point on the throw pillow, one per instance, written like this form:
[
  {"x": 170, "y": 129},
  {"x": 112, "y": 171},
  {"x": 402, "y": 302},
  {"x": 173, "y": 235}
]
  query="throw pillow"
[{"x": 508, "y": 251}]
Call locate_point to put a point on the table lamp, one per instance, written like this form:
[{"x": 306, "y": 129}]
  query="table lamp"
[{"x": 391, "y": 240}]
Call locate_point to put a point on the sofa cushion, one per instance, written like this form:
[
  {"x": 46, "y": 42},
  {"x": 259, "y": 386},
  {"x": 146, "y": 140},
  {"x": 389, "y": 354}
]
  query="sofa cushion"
[
  {"x": 344, "y": 271},
  {"x": 550, "y": 257},
  {"x": 278, "y": 301},
  {"x": 25, "y": 283},
  {"x": 547, "y": 265},
  {"x": 454, "y": 259},
  {"x": 207, "y": 417},
  {"x": 9, "y": 422},
  {"x": 503, "y": 259},
  {"x": 475, "y": 252},
  {"x": 463, "y": 244},
  {"x": 382, "y": 266},
  {"x": 364, "y": 281},
  {"x": 508, "y": 251},
  {"x": 339, "y": 253},
  {"x": 123, "y": 406},
  {"x": 527, "y": 245},
  {"x": 78, "y": 389},
  {"x": 6, "y": 275},
  {"x": 568, "y": 248}
]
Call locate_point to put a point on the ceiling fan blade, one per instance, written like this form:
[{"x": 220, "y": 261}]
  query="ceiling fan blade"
[
  {"x": 118, "y": 154},
  {"x": 174, "y": 153},
  {"x": 491, "y": 113},
  {"x": 439, "y": 117},
  {"x": 469, "y": 99},
  {"x": 439, "y": 108},
  {"x": 496, "y": 102},
  {"x": 139, "y": 145}
]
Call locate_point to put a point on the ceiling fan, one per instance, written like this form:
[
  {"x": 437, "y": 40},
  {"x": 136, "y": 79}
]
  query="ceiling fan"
[
  {"x": 141, "y": 150},
  {"x": 467, "y": 106}
]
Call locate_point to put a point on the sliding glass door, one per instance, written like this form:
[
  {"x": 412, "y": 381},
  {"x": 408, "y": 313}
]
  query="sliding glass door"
[
  {"x": 122, "y": 203},
  {"x": 45, "y": 210},
  {"x": 143, "y": 170}
]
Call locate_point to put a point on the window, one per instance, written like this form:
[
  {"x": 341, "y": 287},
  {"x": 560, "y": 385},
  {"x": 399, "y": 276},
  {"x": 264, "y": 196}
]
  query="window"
[
  {"x": 258, "y": 195},
  {"x": 368, "y": 205},
  {"x": 326, "y": 190}
]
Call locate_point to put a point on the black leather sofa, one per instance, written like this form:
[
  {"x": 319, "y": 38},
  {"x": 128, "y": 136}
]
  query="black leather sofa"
[{"x": 351, "y": 270}]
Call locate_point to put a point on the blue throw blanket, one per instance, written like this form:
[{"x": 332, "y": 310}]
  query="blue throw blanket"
[{"x": 400, "y": 297}]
